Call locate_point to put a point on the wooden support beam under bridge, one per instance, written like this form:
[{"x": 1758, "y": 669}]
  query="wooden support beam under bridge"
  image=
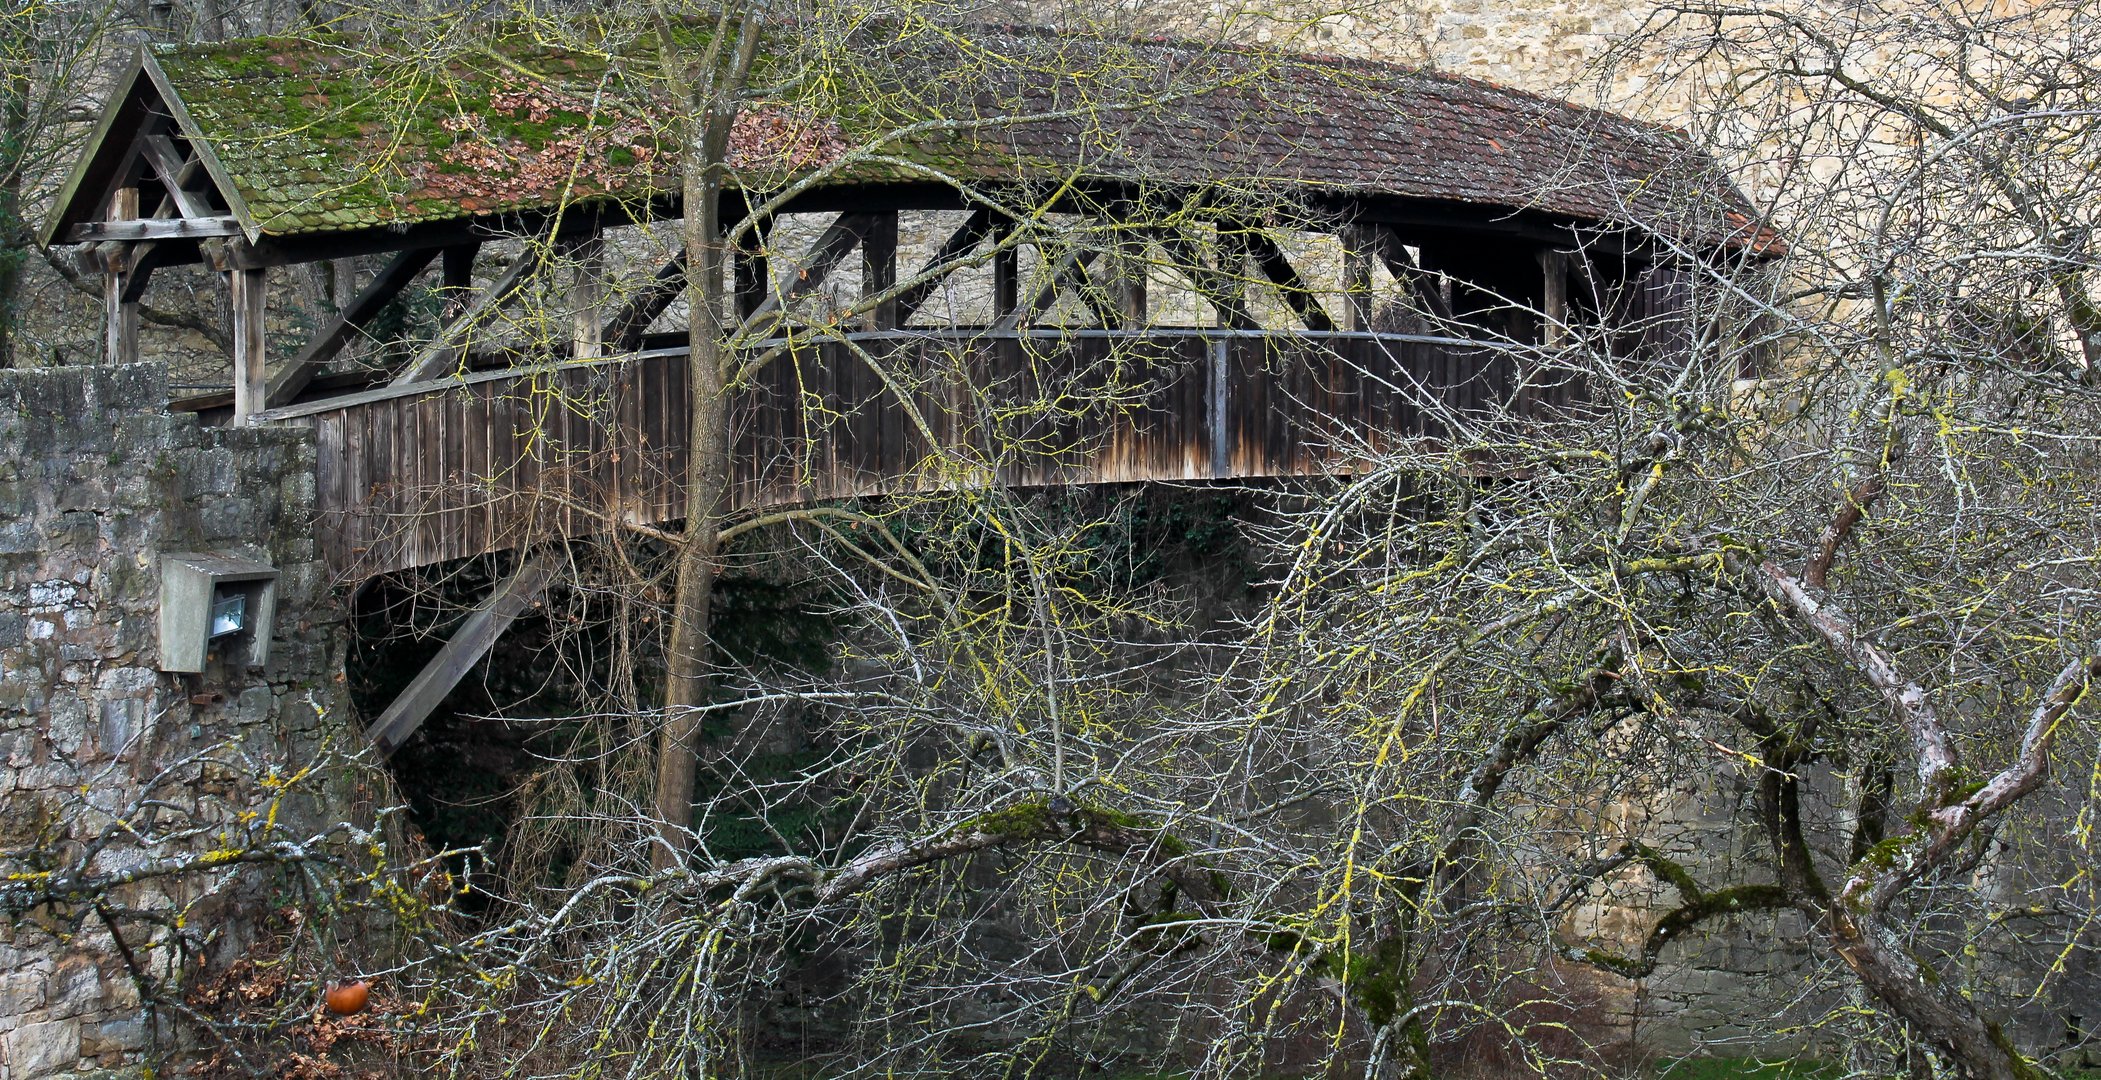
[{"x": 469, "y": 643}]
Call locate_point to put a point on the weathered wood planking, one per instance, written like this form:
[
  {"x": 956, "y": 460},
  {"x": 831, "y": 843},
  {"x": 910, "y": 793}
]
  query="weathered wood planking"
[{"x": 464, "y": 469}]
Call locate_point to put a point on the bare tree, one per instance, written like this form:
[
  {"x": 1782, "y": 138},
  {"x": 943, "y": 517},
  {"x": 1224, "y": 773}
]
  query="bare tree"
[{"x": 1839, "y": 546}]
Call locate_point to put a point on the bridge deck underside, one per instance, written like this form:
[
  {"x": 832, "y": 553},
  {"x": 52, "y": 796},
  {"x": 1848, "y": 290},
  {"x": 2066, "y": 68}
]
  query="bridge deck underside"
[{"x": 494, "y": 462}]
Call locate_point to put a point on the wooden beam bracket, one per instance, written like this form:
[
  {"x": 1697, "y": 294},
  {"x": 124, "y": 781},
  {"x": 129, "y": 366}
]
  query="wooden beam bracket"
[
  {"x": 627, "y": 327},
  {"x": 922, "y": 285},
  {"x": 1387, "y": 244},
  {"x": 1222, "y": 290},
  {"x": 839, "y": 239},
  {"x": 1276, "y": 266},
  {"x": 1069, "y": 273}
]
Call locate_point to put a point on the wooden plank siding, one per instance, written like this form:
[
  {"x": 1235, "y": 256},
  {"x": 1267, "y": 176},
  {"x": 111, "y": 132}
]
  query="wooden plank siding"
[{"x": 463, "y": 468}]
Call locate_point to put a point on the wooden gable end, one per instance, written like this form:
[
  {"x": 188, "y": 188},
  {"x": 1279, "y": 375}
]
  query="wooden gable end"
[{"x": 146, "y": 143}]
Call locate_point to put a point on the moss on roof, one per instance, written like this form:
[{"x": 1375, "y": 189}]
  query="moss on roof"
[
  {"x": 323, "y": 135},
  {"x": 337, "y": 133}
]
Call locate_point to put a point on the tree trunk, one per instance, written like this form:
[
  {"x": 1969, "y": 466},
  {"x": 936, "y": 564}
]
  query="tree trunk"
[
  {"x": 14, "y": 232},
  {"x": 1950, "y": 1024},
  {"x": 707, "y": 472},
  {"x": 712, "y": 95}
]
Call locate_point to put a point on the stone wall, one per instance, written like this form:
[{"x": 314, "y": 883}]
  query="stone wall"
[
  {"x": 1748, "y": 984},
  {"x": 1756, "y": 983},
  {"x": 96, "y": 481}
]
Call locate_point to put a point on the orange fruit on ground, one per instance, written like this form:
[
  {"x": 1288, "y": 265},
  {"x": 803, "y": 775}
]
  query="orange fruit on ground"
[{"x": 348, "y": 996}]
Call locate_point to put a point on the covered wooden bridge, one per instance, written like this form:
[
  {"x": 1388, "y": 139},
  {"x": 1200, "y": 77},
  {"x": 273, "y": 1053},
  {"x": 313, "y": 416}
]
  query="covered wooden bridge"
[{"x": 1031, "y": 259}]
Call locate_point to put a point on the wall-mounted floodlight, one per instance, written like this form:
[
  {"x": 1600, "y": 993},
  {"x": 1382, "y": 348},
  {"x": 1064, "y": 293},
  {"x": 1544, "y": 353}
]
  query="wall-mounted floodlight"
[
  {"x": 215, "y": 605},
  {"x": 229, "y": 613}
]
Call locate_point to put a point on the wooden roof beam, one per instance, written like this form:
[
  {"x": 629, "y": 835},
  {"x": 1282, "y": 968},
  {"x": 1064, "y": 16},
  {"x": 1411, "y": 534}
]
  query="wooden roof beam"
[
  {"x": 154, "y": 229},
  {"x": 173, "y": 170}
]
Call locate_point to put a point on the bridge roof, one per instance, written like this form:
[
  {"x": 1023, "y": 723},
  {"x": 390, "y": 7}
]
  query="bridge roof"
[{"x": 337, "y": 135}]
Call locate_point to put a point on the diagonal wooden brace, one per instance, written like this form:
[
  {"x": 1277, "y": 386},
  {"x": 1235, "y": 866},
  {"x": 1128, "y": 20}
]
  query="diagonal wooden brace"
[
  {"x": 293, "y": 377},
  {"x": 469, "y": 643},
  {"x": 443, "y": 353}
]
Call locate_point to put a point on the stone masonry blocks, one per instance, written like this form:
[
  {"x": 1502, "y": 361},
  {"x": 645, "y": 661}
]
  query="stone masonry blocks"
[{"x": 97, "y": 479}]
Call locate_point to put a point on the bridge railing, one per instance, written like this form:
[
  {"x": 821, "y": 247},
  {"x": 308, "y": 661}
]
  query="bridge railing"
[{"x": 491, "y": 460}]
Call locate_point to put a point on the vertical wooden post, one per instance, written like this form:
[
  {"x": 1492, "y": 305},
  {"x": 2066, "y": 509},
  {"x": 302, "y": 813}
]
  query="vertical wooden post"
[
  {"x": 121, "y": 317},
  {"x": 1006, "y": 274},
  {"x": 753, "y": 274},
  {"x": 1220, "y": 408},
  {"x": 1232, "y": 278},
  {"x": 250, "y": 290},
  {"x": 1359, "y": 247},
  {"x": 879, "y": 269},
  {"x": 342, "y": 285},
  {"x": 456, "y": 271},
  {"x": 317, "y": 290},
  {"x": 587, "y": 296},
  {"x": 1554, "y": 300},
  {"x": 1130, "y": 269}
]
